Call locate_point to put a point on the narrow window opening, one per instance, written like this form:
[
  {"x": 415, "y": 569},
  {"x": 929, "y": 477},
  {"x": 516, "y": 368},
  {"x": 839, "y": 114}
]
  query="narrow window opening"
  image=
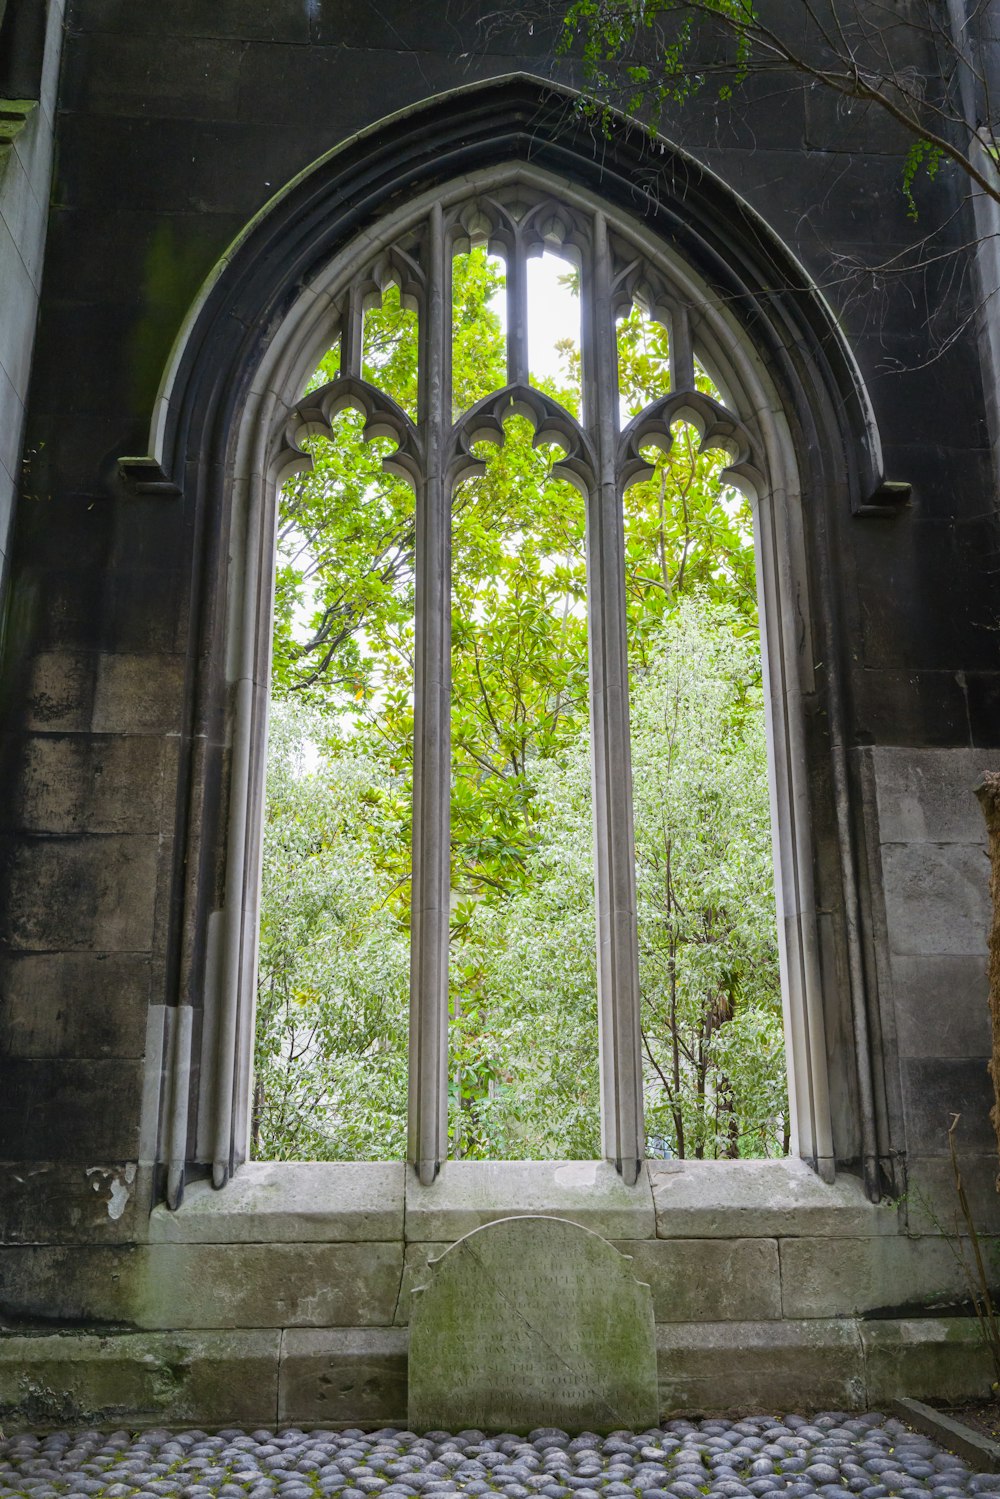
[
  {"x": 389, "y": 346},
  {"x": 711, "y": 1021},
  {"x": 333, "y": 969},
  {"x": 523, "y": 1061},
  {"x": 553, "y": 304},
  {"x": 478, "y": 327},
  {"x": 560, "y": 576}
]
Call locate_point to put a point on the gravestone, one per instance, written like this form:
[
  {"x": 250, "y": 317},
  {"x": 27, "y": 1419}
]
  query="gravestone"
[{"x": 532, "y": 1321}]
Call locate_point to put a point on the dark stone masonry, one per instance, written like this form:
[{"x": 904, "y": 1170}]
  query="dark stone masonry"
[{"x": 185, "y": 194}]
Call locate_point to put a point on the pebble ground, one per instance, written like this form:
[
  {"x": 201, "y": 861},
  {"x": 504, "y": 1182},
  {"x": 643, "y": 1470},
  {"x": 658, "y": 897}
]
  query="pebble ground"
[{"x": 828, "y": 1455}]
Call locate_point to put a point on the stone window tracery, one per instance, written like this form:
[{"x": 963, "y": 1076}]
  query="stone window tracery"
[{"x": 435, "y": 450}]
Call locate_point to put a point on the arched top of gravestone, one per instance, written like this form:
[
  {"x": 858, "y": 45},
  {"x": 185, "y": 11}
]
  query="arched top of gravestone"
[{"x": 532, "y": 1321}]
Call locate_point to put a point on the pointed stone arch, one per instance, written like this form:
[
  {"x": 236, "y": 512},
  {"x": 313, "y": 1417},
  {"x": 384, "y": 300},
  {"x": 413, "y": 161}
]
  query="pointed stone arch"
[{"x": 796, "y": 418}]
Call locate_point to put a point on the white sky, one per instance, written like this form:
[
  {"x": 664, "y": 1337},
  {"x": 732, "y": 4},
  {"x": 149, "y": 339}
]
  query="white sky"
[{"x": 553, "y": 314}]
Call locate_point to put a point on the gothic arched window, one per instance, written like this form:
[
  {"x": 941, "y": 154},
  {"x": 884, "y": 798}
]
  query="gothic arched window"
[
  {"x": 435, "y": 451},
  {"x": 791, "y": 415}
]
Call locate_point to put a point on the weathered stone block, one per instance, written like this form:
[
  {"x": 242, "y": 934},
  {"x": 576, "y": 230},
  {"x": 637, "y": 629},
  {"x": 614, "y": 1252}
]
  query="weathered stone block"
[
  {"x": 718, "y": 1280},
  {"x": 94, "y": 784},
  {"x": 118, "y": 74},
  {"x": 841, "y": 1277},
  {"x": 294, "y": 1201},
  {"x": 760, "y": 1365},
  {"x": 932, "y": 704},
  {"x": 73, "y": 1004},
  {"x": 928, "y": 795},
  {"x": 270, "y": 1285},
  {"x": 81, "y": 893},
  {"x": 238, "y": 19},
  {"x": 931, "y": 1204},
  {"x": 66, "y": 1110},
  {"x": 138, "y": 694},
  {"x": 180, "y": 1286},
  {"x": 11, "y": 432},
  {"x": 49, "y": 1284},
  {"x": 20, "y": 300},
  {"x": 935, "y": 1090},
  {"x": 468, "y": 1194},
  {"x": 936, "y": 898},
  {"x": 531, "y": 1321},
  {"x": 942, "y": 1357},
  {"x": 54, "y": 1202},
  {"x": 219, "y": 1379},
  {"x": 23, "y": 241},
  {"x": 59, "y": 691},
  {"x": 759, "y": 1200},
  {"x": 854, "y": 127},
  {"x": 338, "y": 1375},
  {"x": 941, "y": 1005}
]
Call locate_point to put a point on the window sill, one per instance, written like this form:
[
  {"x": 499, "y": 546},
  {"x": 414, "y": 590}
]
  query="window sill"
[{"x": 331, "y": 1202}]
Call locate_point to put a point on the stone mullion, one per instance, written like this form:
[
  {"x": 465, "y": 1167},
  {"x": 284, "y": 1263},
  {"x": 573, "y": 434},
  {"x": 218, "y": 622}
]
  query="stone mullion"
[
  {"x": 681, "y": 349},
  {"x": 622, "y": 1128},
  {"x": 352, "y": 332},
  {"x": 517, "y": 312},
  {"x": 428, "y": 1080}
]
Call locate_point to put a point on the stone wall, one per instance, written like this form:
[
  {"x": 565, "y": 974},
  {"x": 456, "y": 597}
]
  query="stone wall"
[
  {"x": 27, "y": 132},
  {"x": 286, "y": 1297},
  {"x": 175, "y": 126},
  {"x": 931, "y": 919}
]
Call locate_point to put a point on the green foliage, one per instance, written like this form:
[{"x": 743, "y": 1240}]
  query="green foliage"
[
  {"x": 711, "y": 999},
  {"x": 652, "y": 55},
  {"x": 332, "y": 991},
  {"x": 331, "y": 1020},
  {"x": 922, "y": 154},
  {"x": 660, "y": 35}
]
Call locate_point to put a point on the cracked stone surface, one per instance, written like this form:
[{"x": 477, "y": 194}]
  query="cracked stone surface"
[{"x": 830, "y": 1454}]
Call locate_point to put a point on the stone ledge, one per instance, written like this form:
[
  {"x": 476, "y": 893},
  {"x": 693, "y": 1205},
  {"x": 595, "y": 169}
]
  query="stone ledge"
[
  {"x": 979, "y": 1451},
  {"x": 761, "y": 1199},
  {"x": 468, "y": 1194},
  {"x": 290, "y": 1202},
  {"x": 340, "y": 1201}
]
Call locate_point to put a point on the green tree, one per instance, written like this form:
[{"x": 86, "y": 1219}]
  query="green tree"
[
  {"x": 711, "y": 998},
  {"x": 333, "y": 978},
  {"x": 524, "y": 1057}
]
